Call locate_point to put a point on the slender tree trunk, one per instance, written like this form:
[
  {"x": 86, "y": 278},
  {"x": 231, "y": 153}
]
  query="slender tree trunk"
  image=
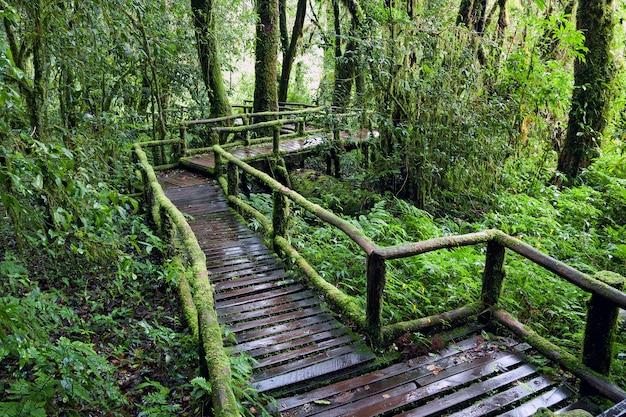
[
  {"x": 289, "y": 54},
  {"x": 346, "y": 62},
  {"x": 592, "y": 93},
  {"x": 266, "y": 53},
  {"x": 208, "y": 56},
  {"x": 36, "y": 102}
]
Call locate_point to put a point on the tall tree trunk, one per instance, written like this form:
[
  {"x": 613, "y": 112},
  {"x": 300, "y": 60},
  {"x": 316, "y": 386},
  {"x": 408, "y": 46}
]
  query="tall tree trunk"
[
  {"x": 266, "y": 54},
  {"x": 289, "y": 54},
  {"x": 592, "y": 94},
  {"x": 204, "y": 24},
  {"x": 472, "y": 14},
  {"x": 346, "y": 62}
]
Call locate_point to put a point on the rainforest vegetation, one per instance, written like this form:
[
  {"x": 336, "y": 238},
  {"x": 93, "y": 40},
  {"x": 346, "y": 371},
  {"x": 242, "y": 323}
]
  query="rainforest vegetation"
[{"x": 492, "y": 114}]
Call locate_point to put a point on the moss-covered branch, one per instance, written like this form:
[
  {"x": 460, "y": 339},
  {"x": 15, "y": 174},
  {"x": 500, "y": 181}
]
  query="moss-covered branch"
[
  {"x": 395, "y": 330},
  {"x": 562, "y": 357}
]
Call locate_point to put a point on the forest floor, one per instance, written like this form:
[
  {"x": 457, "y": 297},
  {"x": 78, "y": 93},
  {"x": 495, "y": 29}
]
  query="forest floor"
[{"x": 132, "y": 320}]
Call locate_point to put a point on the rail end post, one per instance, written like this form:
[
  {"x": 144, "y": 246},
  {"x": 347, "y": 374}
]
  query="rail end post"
[
  {"x": 600, "y": 330},
  {"x": 493, "y": 276},
  {"x": 376, "y": 269}
]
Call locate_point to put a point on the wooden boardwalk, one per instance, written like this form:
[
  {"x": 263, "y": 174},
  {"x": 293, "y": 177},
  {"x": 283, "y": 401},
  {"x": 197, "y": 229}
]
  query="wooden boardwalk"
[
  {"x": 290, "y": 147},
  {"x": 315, "y": 365}
]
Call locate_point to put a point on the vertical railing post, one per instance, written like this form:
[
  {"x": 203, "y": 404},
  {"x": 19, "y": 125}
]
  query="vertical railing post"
[
  {"x": 493, "y": 276},
  {"x": 215, "y": 140},
  {"x": 246, "y": 133},
  {"x": 280, "y": 217},
  {"x": 276, "y": 140},
  {"x": 376, "y": 268},
  {"x": 183, "y": 141},
  {"x": 233, "y": 179},
  {"x": 600, "y": 330}
]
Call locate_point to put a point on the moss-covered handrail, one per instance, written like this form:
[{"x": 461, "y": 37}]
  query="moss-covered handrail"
[
  {"x": 497, "y": 242},
  {"x": 196, "y": 291}
]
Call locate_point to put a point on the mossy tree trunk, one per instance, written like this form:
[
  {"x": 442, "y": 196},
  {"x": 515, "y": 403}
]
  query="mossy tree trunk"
[
  {"x": 591, "y": 98},
  {"x": 347, "y": 61},
  {"x": 289, "y": 47},
  {"x": 266, "y": 53},
  {"x": 472, "y": 14},
  {"x": 204, "y": 23}
]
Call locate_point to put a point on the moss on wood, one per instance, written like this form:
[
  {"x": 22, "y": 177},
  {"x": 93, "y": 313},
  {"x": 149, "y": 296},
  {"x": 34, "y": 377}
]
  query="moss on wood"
[
  {"x": 209, "y": 333},
  {"x": 341, "y": 301}
]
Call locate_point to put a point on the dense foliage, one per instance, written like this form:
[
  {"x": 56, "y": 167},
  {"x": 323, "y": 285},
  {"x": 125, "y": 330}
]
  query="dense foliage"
[{"x": 471, "y": 122}]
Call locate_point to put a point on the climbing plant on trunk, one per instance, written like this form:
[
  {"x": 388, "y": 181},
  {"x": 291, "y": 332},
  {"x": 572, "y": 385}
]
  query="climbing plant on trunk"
[{"x": 591, "y": 98}]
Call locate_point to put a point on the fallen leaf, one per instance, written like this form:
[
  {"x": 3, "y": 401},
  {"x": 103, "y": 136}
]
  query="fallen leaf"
[
  {"x": 386, "y": 396},
  {"x": 410, "y": 362},
  {"x": 431, "y": 367},
  {"x": 322, "y": 402}
]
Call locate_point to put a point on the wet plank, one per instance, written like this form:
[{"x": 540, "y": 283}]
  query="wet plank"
[
  {"x": 313, "y": 371},
  {"x": 548, "y": 399}
]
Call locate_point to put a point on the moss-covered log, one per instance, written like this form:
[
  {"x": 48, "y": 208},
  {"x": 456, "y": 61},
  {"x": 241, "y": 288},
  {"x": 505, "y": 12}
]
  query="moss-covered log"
[
  {"x": 563, "y": 358},
  {"x": 214, "y": 359},
  {"x": 563, "y": 270},
  {"x": 393, "y": 331},
  {"x": 417, "y": 248}
]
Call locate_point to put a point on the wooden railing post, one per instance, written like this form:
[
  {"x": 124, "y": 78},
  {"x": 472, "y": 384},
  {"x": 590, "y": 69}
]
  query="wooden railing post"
[
  {"x": 600, "y": 330},
  {"x": 280, "y": 217},
  {"x": 276, "y": 140},
  {"x": 376, "y": 268},
  {"x": 246, "y": 134},
  {"x": 493, "y": 276},
  {"x": 233, "y": 179},
  {"x": 215, "y": 140},
  {"x": 183, "y": 141}
]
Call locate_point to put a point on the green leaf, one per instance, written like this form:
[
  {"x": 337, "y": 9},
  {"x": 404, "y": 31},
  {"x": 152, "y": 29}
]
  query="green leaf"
[{"x": 322, "y": 402}]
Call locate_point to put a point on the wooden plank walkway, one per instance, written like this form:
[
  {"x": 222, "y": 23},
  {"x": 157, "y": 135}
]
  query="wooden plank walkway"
[
  {"x": 318, "y": 366},
  {"x": 271, "y": 316}
]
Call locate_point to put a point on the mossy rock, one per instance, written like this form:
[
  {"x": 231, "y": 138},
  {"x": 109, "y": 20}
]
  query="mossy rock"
[{"x": 332, "y": 193}]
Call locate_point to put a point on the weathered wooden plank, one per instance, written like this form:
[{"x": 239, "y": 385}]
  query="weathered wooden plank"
[
  {"x": 372, "y": 377},
  {"x": 307, "y": 361},
  {"x": 367, "y": 398},
  {"x": 253, "y": 299},
  {"x": 436, "y": 406},
  {"x": 275, "y": 319},
  {"x": 295, "y": 338},
  {"x": 289, "y": 345},
  {"x": 303, "y": 351},
  {"x": 277, "y": 297},
  {"x": 252, "y": 289},
  {"x": 313, "y": 371},
  {"x": 494, "y": 403},
  {"x": 233, "y": 283},
  {"x": 243, "y": 316},
  {"x": 547, "y": 399},
  {"x": 284, "y": 327},
  {"x": 242, "y": 270}
]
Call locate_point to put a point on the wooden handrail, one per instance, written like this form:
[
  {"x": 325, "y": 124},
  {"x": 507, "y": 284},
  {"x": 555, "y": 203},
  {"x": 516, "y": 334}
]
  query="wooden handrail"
[{"x": 197, "y": 287}]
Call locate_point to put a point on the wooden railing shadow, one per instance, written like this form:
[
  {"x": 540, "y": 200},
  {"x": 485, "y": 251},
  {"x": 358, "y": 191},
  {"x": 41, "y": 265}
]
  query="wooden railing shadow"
[{"x": 606, "y": 294}]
